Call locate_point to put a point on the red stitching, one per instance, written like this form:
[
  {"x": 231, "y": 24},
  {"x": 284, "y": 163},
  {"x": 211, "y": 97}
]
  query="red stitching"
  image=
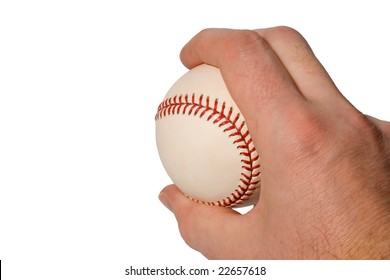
[{"x": 228, "y": 121}]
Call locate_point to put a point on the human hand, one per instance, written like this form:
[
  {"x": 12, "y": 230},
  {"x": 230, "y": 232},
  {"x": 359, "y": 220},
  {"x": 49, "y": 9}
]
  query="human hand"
[{"x": 325, "y": 185}]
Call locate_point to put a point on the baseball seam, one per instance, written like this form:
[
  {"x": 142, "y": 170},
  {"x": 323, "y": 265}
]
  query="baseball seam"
[{"x": 233, "y": 124}]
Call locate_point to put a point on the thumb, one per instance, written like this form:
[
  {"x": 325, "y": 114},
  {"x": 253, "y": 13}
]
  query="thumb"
[{"x": 211, "y": 230}]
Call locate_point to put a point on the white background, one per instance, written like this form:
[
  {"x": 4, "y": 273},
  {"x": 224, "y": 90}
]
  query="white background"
[{"x": 80, "y": 82}]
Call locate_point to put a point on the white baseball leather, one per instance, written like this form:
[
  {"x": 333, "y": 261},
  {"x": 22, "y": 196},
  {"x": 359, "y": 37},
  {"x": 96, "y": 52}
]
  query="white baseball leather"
[{"x": 204, "y": 143}]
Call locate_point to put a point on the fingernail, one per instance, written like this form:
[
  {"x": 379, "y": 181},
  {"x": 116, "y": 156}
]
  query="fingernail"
[{"x": 164, "y": 200}]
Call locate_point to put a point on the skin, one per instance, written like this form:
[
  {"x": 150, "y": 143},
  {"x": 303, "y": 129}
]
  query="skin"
[{"x": 325, "y": 166}]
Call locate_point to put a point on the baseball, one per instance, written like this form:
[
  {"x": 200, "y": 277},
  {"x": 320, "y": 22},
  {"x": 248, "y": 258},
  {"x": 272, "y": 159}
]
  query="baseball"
[{"x": 204, "y": 143}]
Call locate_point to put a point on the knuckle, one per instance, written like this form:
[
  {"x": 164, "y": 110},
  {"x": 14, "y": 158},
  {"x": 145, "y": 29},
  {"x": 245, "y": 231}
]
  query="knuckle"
[
  {"x": 205, "y": 32},
  {"x": 314, "y": 137},
  {"x": 366, "y": 130},
  {"x": 306, "y": 135},
  {"x": 243, "y": 43},
  {"x": 288, "y": 33},
  {"x": 297, "y": 45}
]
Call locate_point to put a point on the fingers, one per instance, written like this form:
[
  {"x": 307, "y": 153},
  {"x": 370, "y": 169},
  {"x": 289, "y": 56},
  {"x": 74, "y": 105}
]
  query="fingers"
[
  {"x": 296, "y": 55},
  {"x": 211, "y": 230},
  {"x": 253, "y": 73}
]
